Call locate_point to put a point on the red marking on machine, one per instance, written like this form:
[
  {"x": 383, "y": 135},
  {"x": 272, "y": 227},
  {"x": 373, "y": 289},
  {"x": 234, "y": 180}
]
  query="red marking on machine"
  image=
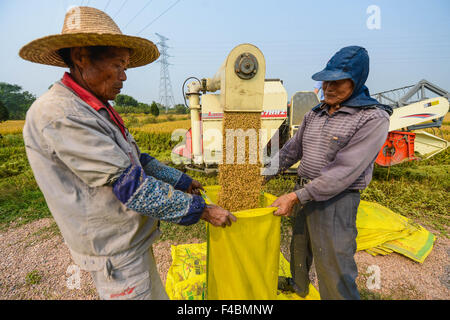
[
  {"x": 212, "y": 115},
  {"x": 420, "y": 115},
  {"x": 399, "y": 147},
  {"x": 264, "y": 114},
  {"x": 274, "y": 114}
]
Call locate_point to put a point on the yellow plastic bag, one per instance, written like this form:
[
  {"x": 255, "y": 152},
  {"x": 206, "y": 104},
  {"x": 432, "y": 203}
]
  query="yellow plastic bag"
[
  {"x": 243, "y": 259},
  {"x": 382, "y": 231},
  {"x": 377, "y": 224},
  {"x": 184, "y": 285},
  {"x": 186, "y": 278},
  {"x": 416, "y": 246}
]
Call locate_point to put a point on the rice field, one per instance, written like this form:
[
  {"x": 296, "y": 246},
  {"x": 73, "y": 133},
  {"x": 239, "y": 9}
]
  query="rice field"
[
  {"x": 11, "y": 127},
  {"x": 164, "y": 125},
  {"x": 160, "y": 118}
]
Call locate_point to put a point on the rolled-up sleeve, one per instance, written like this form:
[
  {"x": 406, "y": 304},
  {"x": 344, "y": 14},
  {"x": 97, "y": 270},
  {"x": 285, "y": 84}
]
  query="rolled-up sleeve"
[
  {"x": 350, "y": 162},
  {"x": 174, "y": 177},
  {"x": 155, "y": 198}
]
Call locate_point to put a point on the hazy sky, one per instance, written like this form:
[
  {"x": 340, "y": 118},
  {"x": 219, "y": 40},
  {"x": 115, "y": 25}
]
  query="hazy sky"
[{"x": 296, "y": 37}]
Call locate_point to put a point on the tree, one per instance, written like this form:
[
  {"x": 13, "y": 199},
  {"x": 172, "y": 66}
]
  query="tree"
[
  {"x": 181, "y": 109},
  {"x": 154, "y": 109},
  {"x": 125, "y": 101},
  {"x": 4, "y": 114},
  {"x": 16, "y": 101}
]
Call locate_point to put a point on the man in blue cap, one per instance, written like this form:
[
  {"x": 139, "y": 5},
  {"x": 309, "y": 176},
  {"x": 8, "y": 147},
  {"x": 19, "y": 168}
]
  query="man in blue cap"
[{"x": 337, "y": 143}]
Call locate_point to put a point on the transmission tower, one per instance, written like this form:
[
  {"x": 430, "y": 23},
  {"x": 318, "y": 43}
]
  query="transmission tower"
[{"x": 166, "y": 98}]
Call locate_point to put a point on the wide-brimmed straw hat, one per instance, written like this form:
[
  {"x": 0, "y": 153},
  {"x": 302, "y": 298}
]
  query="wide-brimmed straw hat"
[{"x": 85, "y": 27}]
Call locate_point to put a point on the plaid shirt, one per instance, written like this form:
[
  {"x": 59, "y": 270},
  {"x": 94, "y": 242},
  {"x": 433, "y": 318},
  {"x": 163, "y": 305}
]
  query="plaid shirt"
[{"x": 337, "y": 151}]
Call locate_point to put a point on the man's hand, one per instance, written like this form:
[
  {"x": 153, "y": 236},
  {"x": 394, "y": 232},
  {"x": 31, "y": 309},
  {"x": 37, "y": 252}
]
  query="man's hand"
[
  {"x": 218, "y": 216},
  {"x": 285, "y": 204},
  {"x": 195, "y": 188}
]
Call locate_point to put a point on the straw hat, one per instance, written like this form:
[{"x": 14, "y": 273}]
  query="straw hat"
[{"x": 83, "y": 27}]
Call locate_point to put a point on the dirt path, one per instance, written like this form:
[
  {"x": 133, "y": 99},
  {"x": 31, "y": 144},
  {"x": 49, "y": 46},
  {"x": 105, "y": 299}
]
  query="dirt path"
[{"x": 34, "y": 261}]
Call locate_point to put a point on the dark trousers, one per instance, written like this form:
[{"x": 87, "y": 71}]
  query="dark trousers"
[{"x": 327, "y": 231}]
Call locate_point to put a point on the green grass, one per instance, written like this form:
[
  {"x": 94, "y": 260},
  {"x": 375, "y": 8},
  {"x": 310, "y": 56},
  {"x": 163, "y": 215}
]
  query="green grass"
[
  {"x": 33, "y": 278},
  {"x": 417, "y": 190},
  {"x": 21, "y": 201}
]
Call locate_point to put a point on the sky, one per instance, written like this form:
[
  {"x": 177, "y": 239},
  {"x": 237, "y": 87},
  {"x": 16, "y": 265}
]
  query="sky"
[{"x": 410, "y": 41}]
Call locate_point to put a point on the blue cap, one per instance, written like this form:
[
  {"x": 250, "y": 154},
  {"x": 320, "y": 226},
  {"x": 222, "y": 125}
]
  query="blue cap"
[
  {"x": 351, "y": 63},
  {"x": 347, "y": 63}
]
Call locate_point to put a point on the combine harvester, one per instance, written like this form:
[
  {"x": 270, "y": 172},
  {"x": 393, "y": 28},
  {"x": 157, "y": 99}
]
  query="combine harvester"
[{"x": 201, "y": 150}]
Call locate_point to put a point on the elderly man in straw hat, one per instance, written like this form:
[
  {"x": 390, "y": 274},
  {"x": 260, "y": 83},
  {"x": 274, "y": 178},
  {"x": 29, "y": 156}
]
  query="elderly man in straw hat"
[{"x": 105, "y": 195}]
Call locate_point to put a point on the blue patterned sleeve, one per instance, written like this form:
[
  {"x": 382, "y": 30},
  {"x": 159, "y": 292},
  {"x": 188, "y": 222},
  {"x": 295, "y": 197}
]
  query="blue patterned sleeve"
[
  {"x": 172, "y": 176},
  {"x": 155, "y": 198}
]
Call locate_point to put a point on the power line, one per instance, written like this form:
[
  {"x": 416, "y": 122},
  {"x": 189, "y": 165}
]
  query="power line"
[
  {"x": 121, "y": 7},
  {"x": 139, "y": 12},
  {"x": 148, "y": 25},
  {"x": 166, "y": 98},
  {"x": 109, "y": 1}
]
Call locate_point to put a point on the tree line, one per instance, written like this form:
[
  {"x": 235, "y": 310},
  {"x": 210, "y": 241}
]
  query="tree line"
[
  {"x": 15, "y": 102},
  {"x": 127, "y": 104}
]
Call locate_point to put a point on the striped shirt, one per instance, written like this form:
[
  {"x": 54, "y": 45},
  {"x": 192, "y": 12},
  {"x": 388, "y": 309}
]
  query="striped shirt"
[{"x": 337, "y": 151}]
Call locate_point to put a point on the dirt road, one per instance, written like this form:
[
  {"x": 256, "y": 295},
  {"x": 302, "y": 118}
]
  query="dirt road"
[{"x": 34, "y": 262}]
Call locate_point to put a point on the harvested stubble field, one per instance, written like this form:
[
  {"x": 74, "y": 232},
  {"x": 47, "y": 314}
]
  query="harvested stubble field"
[{"x": 34, "y": 259}]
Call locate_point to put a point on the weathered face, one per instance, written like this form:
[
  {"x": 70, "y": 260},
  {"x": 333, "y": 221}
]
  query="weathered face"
[
  {"x": 336, "y": 92},
  {"x": 103, "y": 75}
]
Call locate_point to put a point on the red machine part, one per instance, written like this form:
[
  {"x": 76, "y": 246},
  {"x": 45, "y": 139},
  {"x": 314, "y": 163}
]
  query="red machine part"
[{"x": 399, "y": 147}]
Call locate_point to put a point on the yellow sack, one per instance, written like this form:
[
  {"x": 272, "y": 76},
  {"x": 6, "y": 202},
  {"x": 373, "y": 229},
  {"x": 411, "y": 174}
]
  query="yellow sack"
[
  {"x": 382, "y": 231},
  {"x": 243, "y": 259},
  {"x": 183, "y": 284},
  {"x": 416, "y": 246},
  {"x": 186, "y": 278},
  {"x": 377, "y": 224}
]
